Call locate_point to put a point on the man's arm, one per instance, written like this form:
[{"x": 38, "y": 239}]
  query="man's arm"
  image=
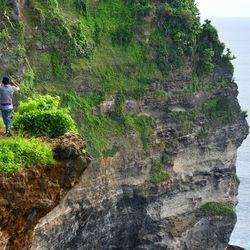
[{"x": 15, "y": 85}]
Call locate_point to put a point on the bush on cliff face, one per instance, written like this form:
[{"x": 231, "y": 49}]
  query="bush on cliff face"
[
  {"x": 17, "y": 153},
  {"x": 158, "y": 174},
  {"x": 209, "y": 51},
  {"x": 219, "y": 209},
  {"x": 42, "y": 116}
]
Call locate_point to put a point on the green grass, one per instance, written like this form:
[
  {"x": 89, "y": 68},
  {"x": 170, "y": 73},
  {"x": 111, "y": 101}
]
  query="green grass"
[
  {"x": 158, "y": 174},
  {"x": 103, "y": 131},
  {"x": 17, "y": 153},
  {"x": 219, "y": 209},
  {"x": 144, "y": 127},
  {"x": 1, "y": 123}
]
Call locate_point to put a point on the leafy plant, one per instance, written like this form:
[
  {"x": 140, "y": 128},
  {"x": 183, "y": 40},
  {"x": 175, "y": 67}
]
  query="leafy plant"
[
  {"x": 123, "y": 35},
  {"x": 17, "y": 153},
  {"x": 158, "y": 174},
  {"x": 50, "y": 123},
  {"x": 41, "y": 103},
  {"x": 27, "y": 85},
  {"x": 57, "y": 65},
  {"x": 81, "y": 6},
  {"x": 218, "y": 109},
  {"x": 244, "y": 113},
  {"x": 42, "y": 116},
  {"x": 209, "y": 50},
  {"x": 2, "y": 6},
  {"x": 4, "y": 34}
]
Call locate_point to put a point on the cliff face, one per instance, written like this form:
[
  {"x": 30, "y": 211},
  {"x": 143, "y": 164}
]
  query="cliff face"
[
  {"x": 152, "y": 91},
  {"x": 115, "y": 206}
]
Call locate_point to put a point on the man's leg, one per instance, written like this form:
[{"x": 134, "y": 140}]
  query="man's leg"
[{"x": 7, "y": 120}]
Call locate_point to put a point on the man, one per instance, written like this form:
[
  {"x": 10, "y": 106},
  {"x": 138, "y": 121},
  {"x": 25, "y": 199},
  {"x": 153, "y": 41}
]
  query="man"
[{"x": 6, "y": 93}]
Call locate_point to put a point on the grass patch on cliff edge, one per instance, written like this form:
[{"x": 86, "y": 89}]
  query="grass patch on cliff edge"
[
  {"x": 103, "y": 131},
  {"x": 42, "y": 116},
  {"x": 158, "y": 174},
  {"x": 17, "y": 153},
  {"x": 219, "y": 209}
]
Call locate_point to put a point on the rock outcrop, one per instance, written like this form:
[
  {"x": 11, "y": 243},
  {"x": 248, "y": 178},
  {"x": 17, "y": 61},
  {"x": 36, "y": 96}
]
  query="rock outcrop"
[
  {"x": 115, "y": 205},
  {"x": 230, "y": 247},
  {"x": 28, "y": 196}
]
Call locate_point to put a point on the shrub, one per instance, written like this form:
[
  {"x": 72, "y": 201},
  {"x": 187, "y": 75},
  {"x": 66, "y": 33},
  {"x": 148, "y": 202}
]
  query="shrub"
[
  {"x": 17, "y": 153},
  {"x": 51, "y": 123},
  {"x": 244, "y": 113},
  {"x": 209, "y": 49},
  {"x": 81, "y": 6},
  {"x": 219, "y": 209},
  {"x": 57, "y": 65},
  {"x": 43, "y": 117},
  {"x": 161, "y": 95},
  {"x": 123, "y": 35},
  {"x": 144, "y": 127},
  {"x": 218, "y": 109},
  {"x": 41, "y": 103},
  {"x": 158, "y": 172},
  {"x": 2, "y": 6},
  {"x": 4, "y": 34}
]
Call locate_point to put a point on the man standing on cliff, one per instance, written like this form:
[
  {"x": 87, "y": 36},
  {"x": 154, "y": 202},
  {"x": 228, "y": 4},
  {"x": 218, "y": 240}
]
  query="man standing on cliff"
[{"x": 6, "y": 93}]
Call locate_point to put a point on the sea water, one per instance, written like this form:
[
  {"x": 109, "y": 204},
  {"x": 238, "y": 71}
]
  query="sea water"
[{"x": 235, "y": 33}]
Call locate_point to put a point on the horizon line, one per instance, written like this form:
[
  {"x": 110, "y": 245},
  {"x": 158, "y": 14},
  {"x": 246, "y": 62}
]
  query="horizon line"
[{"x": 203, "y": 16}]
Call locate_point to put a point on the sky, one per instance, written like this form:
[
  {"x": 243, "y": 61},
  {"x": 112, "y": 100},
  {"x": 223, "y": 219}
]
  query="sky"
[{"x": 229, "y": 8}]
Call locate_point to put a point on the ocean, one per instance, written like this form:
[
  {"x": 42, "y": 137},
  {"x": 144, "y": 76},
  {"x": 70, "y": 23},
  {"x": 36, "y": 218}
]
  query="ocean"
[{"x": 235, "y": 33}]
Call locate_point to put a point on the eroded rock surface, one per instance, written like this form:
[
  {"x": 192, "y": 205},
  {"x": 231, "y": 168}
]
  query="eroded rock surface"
[
  {"x": 27, "y": 196},
  {"x": 115, "y": 205}
]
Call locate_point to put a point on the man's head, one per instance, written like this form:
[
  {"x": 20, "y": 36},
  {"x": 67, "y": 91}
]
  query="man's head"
[{"x": 6, "y": 80}]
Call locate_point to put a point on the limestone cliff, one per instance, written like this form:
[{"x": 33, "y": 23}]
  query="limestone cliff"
[
  {"x": 115, "y": 206},
  {"x": 153, "y": 93}
]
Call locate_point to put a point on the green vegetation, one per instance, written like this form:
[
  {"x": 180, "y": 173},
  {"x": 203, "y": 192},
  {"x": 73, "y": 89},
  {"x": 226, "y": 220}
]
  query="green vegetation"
[
  {"x": 41, "y": 116},
  {"x": 161, "y": 95},
  {"x": 209, "y": 49},
  {"x": 4, "y": 34},
  {"x": 216, "y": 111},
  {"x": 219, "y": 209},
  {"x": 27, "y": 85},
  {"x": 17, "y": 153},
  {"x": 1, "y": 123},
  {"x": 158, "y": 174},
  {"x": 197, "y": 85},
  {"x": 244, "y": 113},
  {"x": 2, "y": 6},
  {"x": 89, "y": 52},
  {"x": 237, "y": 179},
  {"x": 176, "y": 37},
  {"x": 104, "y": 131},
  {"x": 144, "y": 126},
  {"x": 57, "y": 65},
  {"x": 98, "y": 130}
]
